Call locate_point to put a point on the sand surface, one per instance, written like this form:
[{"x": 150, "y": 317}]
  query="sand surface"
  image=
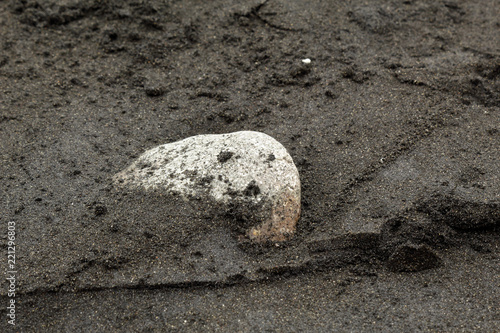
[{"x": 393, "y": 123}]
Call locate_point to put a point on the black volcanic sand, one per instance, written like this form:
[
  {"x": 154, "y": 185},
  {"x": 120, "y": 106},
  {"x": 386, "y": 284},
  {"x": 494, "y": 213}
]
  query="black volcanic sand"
[{"x": 394, "y": 126}]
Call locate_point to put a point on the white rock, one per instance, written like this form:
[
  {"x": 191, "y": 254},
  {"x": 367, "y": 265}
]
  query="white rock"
[{"x": 248, "y": 174}]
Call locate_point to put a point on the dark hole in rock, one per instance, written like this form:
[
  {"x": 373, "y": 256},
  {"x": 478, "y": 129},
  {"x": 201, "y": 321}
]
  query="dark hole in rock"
[
  {"x": 205, "y": 181},
  {"x": 231, "y": 192},
  {"x": 144, "y": 165},
  {"x": 224, "y": 156},
  {"x": 252, "y": 189},
  {"x": 190, "y": 173}
]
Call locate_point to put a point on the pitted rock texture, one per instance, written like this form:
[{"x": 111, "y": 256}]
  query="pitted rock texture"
[{"x": 247, "y": 175}]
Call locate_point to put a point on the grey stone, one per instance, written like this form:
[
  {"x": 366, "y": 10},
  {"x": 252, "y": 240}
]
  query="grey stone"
[{"x": 247, "y": 175}]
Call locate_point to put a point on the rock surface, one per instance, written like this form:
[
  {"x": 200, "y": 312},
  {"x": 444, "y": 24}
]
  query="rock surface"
[{"x": 247, "y": 175}]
